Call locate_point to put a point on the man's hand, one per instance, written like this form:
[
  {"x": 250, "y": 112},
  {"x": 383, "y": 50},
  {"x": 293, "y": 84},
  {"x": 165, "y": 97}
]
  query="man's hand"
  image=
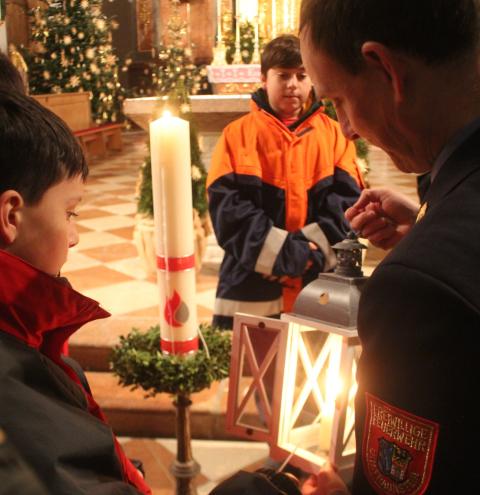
[
  {"x": 382, "y": 216},
  {"x": 326, "y": 482}
]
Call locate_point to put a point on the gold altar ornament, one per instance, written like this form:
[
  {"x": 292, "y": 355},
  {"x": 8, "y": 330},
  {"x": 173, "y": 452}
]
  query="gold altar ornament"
[{"x": 144, "y": 25}]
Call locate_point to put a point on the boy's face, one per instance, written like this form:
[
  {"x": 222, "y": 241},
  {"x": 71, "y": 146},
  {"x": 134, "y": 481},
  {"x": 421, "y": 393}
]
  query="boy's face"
[
  {"x": 44, "y": 232},
  {"x": 287, "y": 90}
]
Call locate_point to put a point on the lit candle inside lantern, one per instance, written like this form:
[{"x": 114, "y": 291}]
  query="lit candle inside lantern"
[
  {"x": 174, "y": 244},
  {"x": 333, "y": 386}
]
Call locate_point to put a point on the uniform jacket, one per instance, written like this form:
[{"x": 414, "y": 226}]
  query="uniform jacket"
[
  {"x": 49, "y": 418},
  {"x": 271, "y": 190},
  {"x": 419, "y": 323}
]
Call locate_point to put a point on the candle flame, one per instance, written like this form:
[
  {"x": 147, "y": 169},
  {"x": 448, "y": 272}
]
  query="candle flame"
[{"x": 166, "y": 114}]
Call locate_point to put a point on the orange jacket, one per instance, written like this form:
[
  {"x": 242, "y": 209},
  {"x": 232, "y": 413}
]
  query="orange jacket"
[{"x": 271, "y": 190}]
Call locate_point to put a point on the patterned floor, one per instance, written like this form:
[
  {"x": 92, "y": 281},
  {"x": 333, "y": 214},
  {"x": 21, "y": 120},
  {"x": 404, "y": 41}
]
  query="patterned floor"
[{"x": 106, "y": 267}]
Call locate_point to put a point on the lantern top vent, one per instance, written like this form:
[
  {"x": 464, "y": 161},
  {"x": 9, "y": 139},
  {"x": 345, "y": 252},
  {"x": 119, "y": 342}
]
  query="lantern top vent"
[
  {"x": 349, "y": 256},
  {"x": 332, "y": 298}
]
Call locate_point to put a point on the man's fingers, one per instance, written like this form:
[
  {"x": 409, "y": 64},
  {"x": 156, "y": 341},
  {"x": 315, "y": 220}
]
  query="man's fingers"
[
  {"x": 362, "y": 220},
  {"x": 376, "y": 225}
]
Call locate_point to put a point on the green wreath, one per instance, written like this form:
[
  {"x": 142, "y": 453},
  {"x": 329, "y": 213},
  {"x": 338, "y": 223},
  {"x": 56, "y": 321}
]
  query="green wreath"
[{"x": 138, "y": 362}]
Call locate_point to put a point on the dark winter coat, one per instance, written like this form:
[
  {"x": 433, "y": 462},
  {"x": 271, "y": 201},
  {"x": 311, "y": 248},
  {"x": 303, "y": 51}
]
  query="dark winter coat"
[
  {"x": 49, "y": 418},
  {"x": 419, "y": 323}
]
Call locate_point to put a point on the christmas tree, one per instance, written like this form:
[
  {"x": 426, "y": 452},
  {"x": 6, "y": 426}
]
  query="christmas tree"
[
  {"x": 72, "y": 51},
  {"x": 174, "y": 69},
  {"x": 177, "y": 77}
]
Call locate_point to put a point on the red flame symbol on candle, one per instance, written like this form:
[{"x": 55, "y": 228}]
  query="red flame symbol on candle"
[{"x": 176, "y": 311}]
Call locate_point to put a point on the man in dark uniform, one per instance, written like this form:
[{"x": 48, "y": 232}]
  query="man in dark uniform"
[{"x": 405, "y": 76}]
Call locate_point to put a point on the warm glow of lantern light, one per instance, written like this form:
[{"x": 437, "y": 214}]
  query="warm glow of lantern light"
[{"x": 322, "y": 384}]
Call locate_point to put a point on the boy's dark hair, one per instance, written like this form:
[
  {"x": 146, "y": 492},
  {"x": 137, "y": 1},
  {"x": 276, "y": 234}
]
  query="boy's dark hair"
[
  {"x": 435, "y": 31},
  {"x": 37, "y": 149},
  {"x": 283, "y": 51},
  {"x": 10, "y": 78}
]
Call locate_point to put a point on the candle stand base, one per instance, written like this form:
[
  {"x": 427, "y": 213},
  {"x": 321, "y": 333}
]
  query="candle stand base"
[
  {"x": 184, "y": 468},
  {"x": 184, "y": 473}
]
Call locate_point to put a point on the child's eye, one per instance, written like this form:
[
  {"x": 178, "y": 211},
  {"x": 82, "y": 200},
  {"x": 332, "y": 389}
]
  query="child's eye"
[{"x": 71, "y": 214}]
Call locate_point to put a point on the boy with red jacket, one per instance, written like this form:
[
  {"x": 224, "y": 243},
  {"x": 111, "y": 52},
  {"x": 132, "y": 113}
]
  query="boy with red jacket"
[
  {"x": 49, "y": 417},
  {"x": 280, "y": 180}
]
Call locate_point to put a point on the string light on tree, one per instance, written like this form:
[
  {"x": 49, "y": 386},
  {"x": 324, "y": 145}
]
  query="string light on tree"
[{"x": 72, "y": 51}]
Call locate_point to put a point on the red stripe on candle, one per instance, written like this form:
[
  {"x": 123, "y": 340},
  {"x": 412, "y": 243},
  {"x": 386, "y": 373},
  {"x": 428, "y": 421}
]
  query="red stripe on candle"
[
  {"x": 176, "y": 264},
  {"x": 178, "y": 347}
]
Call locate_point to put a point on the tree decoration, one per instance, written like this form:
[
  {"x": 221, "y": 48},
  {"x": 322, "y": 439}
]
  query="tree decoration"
[
  {"x": 72, "y": 51},
  {"x": 174, "y": 64}
]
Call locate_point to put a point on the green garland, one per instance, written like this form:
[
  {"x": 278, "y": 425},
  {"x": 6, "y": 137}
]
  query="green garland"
[{"x": 138, "y": 362}]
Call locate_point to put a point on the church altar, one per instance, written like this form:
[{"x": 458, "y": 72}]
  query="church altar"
[
  {"x": 212, "y": 112},
  {"x": 234, "y": 78}
]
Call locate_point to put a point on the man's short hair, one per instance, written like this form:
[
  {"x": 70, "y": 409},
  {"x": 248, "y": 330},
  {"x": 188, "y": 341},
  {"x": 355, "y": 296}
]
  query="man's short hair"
[
  {"x": 283, "y": 51},
  {"x": 10, "y": 78},
  {"x": 37, "y": 149},
  {"x": 435, "y": 31}
]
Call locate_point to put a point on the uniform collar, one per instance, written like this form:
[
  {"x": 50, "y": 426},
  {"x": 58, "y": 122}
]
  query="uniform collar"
[
  {"x": 458, "y": 139},
  {"x": 40, "y": 310},
  {"x": 462, "y": 162}
]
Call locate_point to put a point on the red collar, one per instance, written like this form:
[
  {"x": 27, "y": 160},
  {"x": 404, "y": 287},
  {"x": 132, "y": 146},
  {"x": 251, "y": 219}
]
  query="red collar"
[{"x": 40, "y": 310}]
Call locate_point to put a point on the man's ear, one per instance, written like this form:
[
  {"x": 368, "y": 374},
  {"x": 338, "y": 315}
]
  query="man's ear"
[
  {"x": 10, "y": 204},
  {"x": 390, "y": 63}
]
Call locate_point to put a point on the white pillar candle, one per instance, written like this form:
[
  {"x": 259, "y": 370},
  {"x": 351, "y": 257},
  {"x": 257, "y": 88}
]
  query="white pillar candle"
[{"x": 174, "y": 243}]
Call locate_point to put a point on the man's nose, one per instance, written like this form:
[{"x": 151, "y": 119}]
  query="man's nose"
[{"x": 346, "y": 127}]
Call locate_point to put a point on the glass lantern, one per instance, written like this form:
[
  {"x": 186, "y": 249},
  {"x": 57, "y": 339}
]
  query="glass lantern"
[{"x": 292, "y": 381}]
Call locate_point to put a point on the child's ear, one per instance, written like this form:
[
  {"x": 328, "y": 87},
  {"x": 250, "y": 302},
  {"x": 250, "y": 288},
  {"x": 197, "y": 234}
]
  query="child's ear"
[
  {"x": 10, "y": 203},
  {"x": 263, "y": 78}
]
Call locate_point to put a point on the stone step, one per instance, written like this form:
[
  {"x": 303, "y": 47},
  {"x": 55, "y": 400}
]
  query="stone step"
[{"x": 132, "y": 414}]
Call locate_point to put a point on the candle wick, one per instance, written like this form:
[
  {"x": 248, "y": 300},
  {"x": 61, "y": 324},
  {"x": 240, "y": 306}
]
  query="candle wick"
[{"x": 204, "y": 342}]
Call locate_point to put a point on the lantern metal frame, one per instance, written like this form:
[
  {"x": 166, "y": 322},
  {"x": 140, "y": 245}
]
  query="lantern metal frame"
[{"x": 243, "y": 353}]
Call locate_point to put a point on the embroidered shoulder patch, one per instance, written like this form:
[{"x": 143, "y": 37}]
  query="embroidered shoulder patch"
[{"x": 398, "y": 449}]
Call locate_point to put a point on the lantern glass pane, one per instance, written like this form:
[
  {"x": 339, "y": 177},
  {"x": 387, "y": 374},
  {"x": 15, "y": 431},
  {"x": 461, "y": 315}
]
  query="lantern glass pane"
[
  {"x": 258, "y": 366},
  {"x": 310, "y": 409}
]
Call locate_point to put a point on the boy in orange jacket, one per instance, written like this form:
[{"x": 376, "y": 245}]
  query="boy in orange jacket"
[{"x": 280, "y": 180}]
